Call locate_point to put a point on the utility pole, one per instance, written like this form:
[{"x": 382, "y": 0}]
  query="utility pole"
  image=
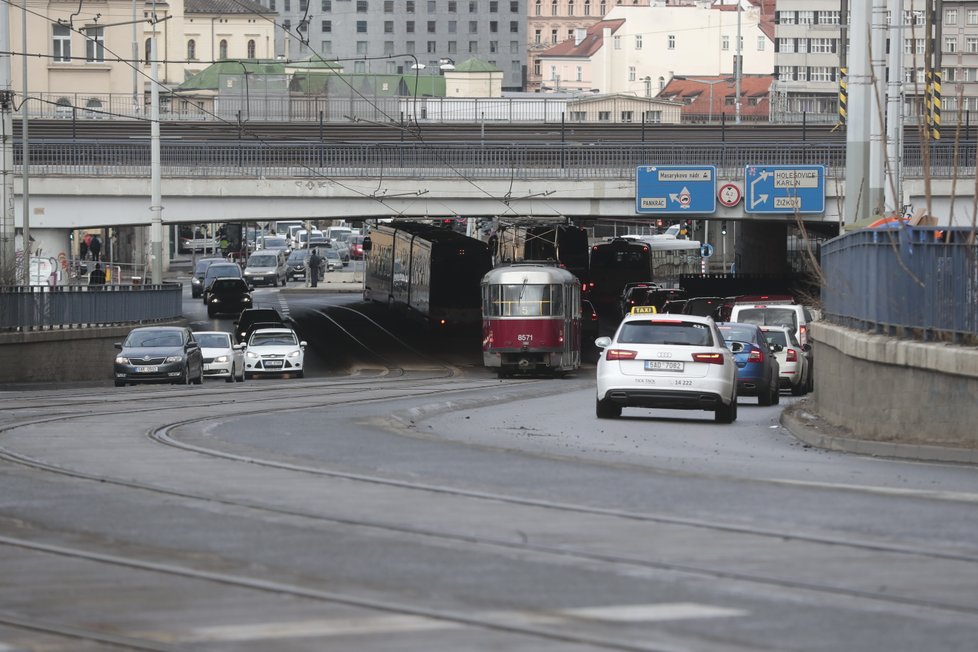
[
  {"x": 25, "y": 204},
  {"x": 8, "y": 250},
  {"x": 877, "y": 148},
  {"x": 156, "y": 206},
  {"x": 860, "y": 100},
  {"x": 739, "y": 66},
  {"x": 893, "y": 195}
]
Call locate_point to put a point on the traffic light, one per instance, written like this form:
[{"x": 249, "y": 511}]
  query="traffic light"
[{"x": 723, "y": 227}]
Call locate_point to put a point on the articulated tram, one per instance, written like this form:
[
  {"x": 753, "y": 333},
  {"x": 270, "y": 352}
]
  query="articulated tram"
[{"x": 531, "y": 319}]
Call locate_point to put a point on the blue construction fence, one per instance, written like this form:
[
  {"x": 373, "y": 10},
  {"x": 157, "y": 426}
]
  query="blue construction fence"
[{"x": 911, "y": 282}]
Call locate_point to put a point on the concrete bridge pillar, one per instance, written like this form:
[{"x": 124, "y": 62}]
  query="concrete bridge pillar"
[{"x": 762, "y": 248}]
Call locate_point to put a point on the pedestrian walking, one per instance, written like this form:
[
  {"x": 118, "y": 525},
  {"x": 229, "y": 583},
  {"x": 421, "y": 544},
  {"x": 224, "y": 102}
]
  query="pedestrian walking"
[
  {"x": 97, "y": 276},
  {"x": 314, "y": 262},
  {"x": 95, "y": 247}
]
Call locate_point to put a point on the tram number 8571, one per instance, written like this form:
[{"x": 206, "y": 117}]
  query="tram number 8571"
[{"x": 524, "y": 338}]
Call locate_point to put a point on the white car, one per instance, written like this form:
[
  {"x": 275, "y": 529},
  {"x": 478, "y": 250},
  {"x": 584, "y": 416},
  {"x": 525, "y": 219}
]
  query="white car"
[
  {"x": 275, "y": 351},
  {"x": 222, "y": 357},
  {"x": 795, "y": 372},
  {"x": 666, "y": 361}
]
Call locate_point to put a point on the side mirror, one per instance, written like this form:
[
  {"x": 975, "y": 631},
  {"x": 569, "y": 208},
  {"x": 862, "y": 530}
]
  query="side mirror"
[
  {"x": 302, "y": 344},
  {"x": 602, "y": 342},
  {"x": 367, "y": 244}
]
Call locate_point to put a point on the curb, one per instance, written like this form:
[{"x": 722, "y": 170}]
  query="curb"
[{"x": 807, "y": 426}]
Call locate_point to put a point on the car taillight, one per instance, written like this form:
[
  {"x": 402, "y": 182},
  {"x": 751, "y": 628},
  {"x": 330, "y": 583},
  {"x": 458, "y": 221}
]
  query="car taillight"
[
  {"x": 620, "y": 354},
  {"x": 792, "y": 355},
  {"x": 803, "y": 334},
  {"x": 709, "y": 358},
  {"x": 755, "y": 356}
]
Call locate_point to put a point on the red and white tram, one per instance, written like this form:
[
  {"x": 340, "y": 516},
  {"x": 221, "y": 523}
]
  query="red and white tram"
[{"x": 531, "y": 319}]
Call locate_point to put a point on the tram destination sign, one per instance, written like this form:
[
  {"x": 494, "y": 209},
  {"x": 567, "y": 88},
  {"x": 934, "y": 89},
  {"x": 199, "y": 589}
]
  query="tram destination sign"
[
  {"x": 676, "y": 189},
  {"x": 784, "y": 189}
]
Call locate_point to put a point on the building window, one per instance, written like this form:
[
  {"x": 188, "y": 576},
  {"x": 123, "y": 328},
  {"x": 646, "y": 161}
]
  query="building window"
[
  {"x": 473, "y": 7},
  {"x": 973, "y": 16},
  {"x": 822, "y": 45},
  {"x": 327, "y": 5},
  {"x": 553, "y": 8},
  {"x": 578, "y": 116},
  {"x": 602, "y": 8},
  {"x": 493, "y": 46},
  {"x": 570, "y": 7},
  {"x": 361, "y": 47},
  {"x": 360, "y": 67},
  {"x": 223, "y": 49},
  {"x": 432, "y": 6},
  {"x": 631, "y": 73},
  {"x": 409, "y": 6},
  {"x": 361, "y": 27},
  {"x": 191, "y": 50},
  {"x": 327, "y": 26},
  {"x": 409, "y": 27},
  {"x": 326, "y": 47},
  {"x": 671, "y": 42},
  {"x": 388, "y": 27},
  {"x": 604, "y": 116},
  {"x": 760, "y": 43},
  {"x": 617, "y": 42},
  {"x": 148, "y": 51},
  {"x": 493, "y": 6},
  {"x": 62, "y": 43},
  {"x": 473, "y": 47},
  {"x": 251, "y": 48},
  {"x": 514, "y": 6},
  {"x": 303, "y": 5},
  {"x": 626, "y": 116},
  {"x": 388, "y": 6},
  {"x": 514, "y": 47},
  {"x": 452, "y": 7},
  {"x": 514, "y": 27},
  {"x": 453, "y": 47},
  {"x": 536, "y": 67},
  {"x": 288, "y": 5},
  {"x": 538, "y": 37},
  {"x": 580, "y": 74},
  {"x": 553, "y": 36},
  {"x": 432, "y": 47},
  {"x": 724, "y": 42},
  {"x": 493, "y": 26},
  {"x": 94, "y": 44},
  {"x": 473, "y": 27},
  {"x": 538, "y": 8},
  {"x": 452, "y": 26},
  {"x": 409, "y": 47},
  {"x": 587, "y": 7},
  {"x": 971, "y": 43},
  {"x": 806, "y": 17},
  {"x": 432, "y": 27},
  {"x": 388, "y": 47},
  {"x": 653, "y": 116},
  {"x": 950, "y": 16},
  {"x": 950, "y": 44}
]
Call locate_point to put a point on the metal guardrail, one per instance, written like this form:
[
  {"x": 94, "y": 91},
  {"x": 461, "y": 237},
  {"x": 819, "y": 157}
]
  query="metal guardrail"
[
  {"x": 483, "y": 160},
  {"x": 919, "y": 283},
  {"x": 35, "y": 308}
]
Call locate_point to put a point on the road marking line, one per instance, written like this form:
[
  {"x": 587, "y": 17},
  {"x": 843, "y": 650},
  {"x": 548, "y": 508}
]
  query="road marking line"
[{"x": 392, "y": 624}]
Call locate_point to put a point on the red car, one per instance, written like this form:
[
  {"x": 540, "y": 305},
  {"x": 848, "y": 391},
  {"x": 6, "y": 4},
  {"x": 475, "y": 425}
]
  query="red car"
[{"x": 356, "y": 247}]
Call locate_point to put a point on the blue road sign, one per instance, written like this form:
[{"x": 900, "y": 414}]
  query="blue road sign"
[
  {"x": 784, "y": 189},
  {"x": 676, "y": 189}
]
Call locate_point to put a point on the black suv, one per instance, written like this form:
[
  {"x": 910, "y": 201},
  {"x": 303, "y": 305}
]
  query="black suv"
[
  {"x": 228, "y": 295},
  {"x": 267, "y": 317}
]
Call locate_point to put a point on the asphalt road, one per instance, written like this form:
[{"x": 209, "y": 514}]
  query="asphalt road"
[{"x": 408, "y": 500}]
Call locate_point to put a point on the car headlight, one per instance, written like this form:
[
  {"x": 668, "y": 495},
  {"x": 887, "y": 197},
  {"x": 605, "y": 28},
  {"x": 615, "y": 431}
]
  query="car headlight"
[
  {"x": 246, "y": 299},
  {"x": 253, "y": 356},
  {"x": 175, "y": 358},
  {"x": 121, "y": 360},
  {"x": 295, "y": 354},
  {"x": 195, "y": 281},
  {"x": 221, "y": 358},
  {"x": 215, "y": 299}
]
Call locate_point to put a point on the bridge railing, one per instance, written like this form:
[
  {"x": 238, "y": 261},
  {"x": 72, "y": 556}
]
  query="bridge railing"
[
  {"x": 33, "y": 308},
  {"x": 249, "y": 159},
  {"x": 919, "y": 283}
]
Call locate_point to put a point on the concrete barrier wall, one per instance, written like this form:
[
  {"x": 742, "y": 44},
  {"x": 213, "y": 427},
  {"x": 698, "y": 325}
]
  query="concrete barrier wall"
[
  {"x": 61, "y": 355},
  {"x": 884, "y": 389}
]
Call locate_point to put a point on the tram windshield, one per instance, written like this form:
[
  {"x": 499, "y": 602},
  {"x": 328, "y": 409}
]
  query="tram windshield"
[{"x": 524, "y": 300}]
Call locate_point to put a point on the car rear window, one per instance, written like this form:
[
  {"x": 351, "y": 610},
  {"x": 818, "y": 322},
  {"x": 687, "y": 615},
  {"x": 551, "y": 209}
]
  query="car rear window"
[
  {"x": 262, "y": 261},
  {"x": 769, "y": 317},
  {"x": 776, "y": 337},
  {"x": 229, "y": 269},
  {"x": 229, "y": 285},
  {"x": 214, "y": 340},
  {"x": 280, "y": 339},
  {"x": 651, "y": 332},
  {"x": 739, "y": 333}
]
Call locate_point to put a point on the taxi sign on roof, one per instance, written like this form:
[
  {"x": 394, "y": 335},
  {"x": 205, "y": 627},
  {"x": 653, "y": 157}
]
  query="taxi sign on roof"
[{"x": 644, "y": 310}]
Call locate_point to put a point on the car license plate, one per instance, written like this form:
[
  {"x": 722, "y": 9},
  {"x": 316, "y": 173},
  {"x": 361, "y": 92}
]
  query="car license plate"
[
  {"x": 273, "y": 363},
  {"x": 147, "y": 370},
  {"x": 664, "y": 365}
]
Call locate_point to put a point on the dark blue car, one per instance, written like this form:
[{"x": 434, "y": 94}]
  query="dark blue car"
[{"x": 757, "y": 368}]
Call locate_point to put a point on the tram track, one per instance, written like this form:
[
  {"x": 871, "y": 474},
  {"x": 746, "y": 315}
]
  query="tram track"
[{"x": 164, "y": 434}]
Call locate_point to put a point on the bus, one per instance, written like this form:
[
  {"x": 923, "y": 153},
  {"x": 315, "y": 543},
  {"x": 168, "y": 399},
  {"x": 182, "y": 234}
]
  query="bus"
[{"x": 674, "y": 257}]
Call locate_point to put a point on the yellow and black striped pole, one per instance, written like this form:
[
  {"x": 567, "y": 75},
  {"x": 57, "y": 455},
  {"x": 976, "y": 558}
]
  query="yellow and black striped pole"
[
  {"x": 928, "y": 106},
  {"x": 935, "y": 98},
  {"x": 843, "y": 97}
]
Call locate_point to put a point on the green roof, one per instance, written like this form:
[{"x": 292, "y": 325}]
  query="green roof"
[
  {"x": 476, "y": 65},
  {"x": 208, "y": 79}
]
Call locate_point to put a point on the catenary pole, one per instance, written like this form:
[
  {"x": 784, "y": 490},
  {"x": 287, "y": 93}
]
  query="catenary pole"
[
  {"x": 893, "y": 186},
  {"x": 25, "y": 204},
  {"x": 156, "y": 206},
  {"x": 8, "y": 251},
  {"x": 877, "y": 106},
  {"x": 856, "y": 204}
]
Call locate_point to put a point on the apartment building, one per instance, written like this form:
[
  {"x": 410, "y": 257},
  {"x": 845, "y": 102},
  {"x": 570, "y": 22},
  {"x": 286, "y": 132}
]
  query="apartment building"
[
  {"x": 96, "y": 58},
  {"x": 552, "y": 22},
  {"x": 638, "y": 49},
  {"x": 398, "y": 36}
]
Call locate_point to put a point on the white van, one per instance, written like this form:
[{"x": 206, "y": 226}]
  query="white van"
[
  {"x": 773, "y": 311},
  {"x": 338, "y": 232},
  {"x": 302, "y": 237},
  {"x": 266, "y": 267}
]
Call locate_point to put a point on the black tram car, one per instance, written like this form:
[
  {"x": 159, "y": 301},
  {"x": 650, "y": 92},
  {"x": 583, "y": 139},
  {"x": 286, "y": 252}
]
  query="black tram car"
[
  {"x": 531, "y": 319},
  {"x": 430, "y": 272}
]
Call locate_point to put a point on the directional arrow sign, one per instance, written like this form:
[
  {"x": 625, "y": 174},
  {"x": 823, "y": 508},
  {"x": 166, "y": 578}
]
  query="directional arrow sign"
[
  {"x": 784, "y": 189},
  {"x": 676, "y": 189}
]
